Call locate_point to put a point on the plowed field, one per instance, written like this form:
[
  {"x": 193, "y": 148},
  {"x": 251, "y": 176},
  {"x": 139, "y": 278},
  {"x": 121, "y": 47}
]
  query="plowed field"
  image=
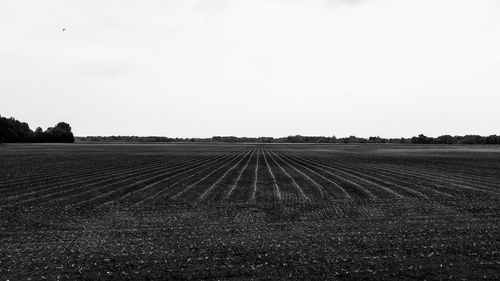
[{"x": 247, "y": 211}]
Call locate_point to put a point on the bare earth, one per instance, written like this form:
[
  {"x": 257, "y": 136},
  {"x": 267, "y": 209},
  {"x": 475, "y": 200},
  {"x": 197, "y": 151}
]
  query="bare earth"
[{"x": 249, "y": 212}]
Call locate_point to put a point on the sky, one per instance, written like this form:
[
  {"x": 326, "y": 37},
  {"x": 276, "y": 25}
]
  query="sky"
[{"x": 199, "y": 68}]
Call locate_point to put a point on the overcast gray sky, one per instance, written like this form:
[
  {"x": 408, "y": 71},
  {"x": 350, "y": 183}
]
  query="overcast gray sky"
[{"x": 253, "y": 68}]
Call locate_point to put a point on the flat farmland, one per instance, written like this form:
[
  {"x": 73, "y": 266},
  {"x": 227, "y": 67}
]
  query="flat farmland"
[{"x": 249, "y": 212}]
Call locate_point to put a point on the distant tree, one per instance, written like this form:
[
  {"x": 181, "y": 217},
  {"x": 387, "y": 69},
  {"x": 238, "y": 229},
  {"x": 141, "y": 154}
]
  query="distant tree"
[
  {"x": 353, "y": 139},
  {"x": 265, "y": 139},
  {"x": 39, "y": 135},
  {"x": 295, "y": 139},
  {"x": 446, "y": 139},
  {"x": 377, "y": 139},
  {"x": 402, "y": 140},
  {"x": 12, "y": 130},
  {"x": 64, "y": 126},
  {"x": 473, "y": 139},
  {"x": 421, "y": 139},
  {"x": 60, "y": 133},
  {"x": 492, "y": 139}
]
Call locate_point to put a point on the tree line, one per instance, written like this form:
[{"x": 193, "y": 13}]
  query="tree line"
[
  {"x": 448, "y": 139},
  {"x": 12, "y": 130},
  {"x": 135, "y": 139},
  {"x": 420, "y": 139}
]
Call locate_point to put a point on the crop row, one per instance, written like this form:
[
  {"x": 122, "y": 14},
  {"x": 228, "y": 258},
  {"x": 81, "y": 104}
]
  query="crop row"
[{"x": 247, "y": 174}]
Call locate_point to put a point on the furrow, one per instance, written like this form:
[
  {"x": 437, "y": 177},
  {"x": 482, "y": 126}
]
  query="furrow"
[
  {"x": 198, "y": 171},
  {"x": 337, "y": 186},
  {"x": 460, "y": 181},
  {"x": 70, "y": 192},
  {"x": 402, "y": 180},
  {"x": 209, "y": 190},
  {"x": 52, "y": 179},
  {"x": 34, "y": 185},
  {"x": 463, "y": 175},
  {"x": 202, "y": 179},
  {"x": 277, "y": 191},
  {"x": 230, "y": 191},
  {"x": 294, "y": 183},
  {"x": 368, "y": 182},
  {"x": 143, "y": 189},
  {"x": 254, "y": 185},
  {"x": 377, "y": 181},
  {"x": 125, "y": 189},
  {"x": 108, "y": 174},
  {"x": 351, "y": 187},
  {"x": 317, "y": 186},
  {"x": 444, "y": 181},
  {"x": 50, "y": 191}
]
